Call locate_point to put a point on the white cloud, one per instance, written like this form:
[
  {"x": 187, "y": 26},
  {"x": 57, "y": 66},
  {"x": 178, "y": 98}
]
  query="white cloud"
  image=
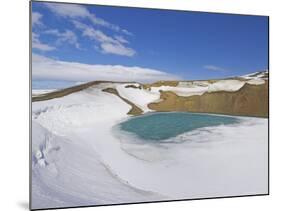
[
  {"x": 214, "y": 68},
  {"x": 51, "y": 69},
  {"x": 37, "y": 44},
  {"x": 36, "y": 18},
  {"x": 121, "y": 39},
  {"x": 79, "y": 11},
  {"x": 68, "y": 10},
  {"x": 66, "y": 36},
  {"x": 127, "y": 32},
  {"x": 105, "y": 43},
  {"x": 108, "y": 44},
  {"x": 118, "y": 49}
]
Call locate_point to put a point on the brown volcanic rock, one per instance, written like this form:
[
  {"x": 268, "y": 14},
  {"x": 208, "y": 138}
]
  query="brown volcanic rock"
[
  {"x": 133, "y": 86},
  {"x": 161, "y": 83},
  {"x": 250, "y": 100}
]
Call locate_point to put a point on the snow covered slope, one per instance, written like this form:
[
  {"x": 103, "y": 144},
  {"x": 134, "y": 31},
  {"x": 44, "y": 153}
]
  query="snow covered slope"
[
  {"x": 79, "y": 158},
  {"x": 139, "y": 96},
  {"x": 68, "y": 167}
]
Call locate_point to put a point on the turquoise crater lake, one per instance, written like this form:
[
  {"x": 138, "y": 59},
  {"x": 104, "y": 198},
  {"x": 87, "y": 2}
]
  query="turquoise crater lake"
[{"x": 161, "y": 126}]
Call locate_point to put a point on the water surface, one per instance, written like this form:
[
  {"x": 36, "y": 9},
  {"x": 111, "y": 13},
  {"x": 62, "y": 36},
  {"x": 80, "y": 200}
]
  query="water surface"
[{"x": 161, "y": 126}]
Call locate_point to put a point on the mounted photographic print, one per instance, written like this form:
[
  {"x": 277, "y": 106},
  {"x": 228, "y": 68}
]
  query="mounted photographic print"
[{"x": 135, "y": 105}]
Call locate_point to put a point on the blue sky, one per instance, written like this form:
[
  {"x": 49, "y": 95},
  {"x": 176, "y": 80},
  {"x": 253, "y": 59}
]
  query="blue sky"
[{"x": 186, "y": 45}]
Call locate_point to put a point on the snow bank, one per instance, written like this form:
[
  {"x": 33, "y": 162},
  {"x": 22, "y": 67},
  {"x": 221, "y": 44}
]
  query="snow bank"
[
  {"x": 200, "y": 87},
  {"x": 79, "y": 109},
  {"x": 41, "y": 146},
  {"x": 185, "y": 84},
  {"x": 226, "y": 85},
  {"x": 256, "y": 81},
  {"x": 41, "y": 91},
  {"x": 73, "y": 171},
  {"x": 181, "y": 91},
  {"x": 255, "y": 75},
  {"x": 201, "y": 83},
  {"x": 140, "y": 97},
  {"x": 75, "y": 175},
  {"x": 193, "y": 83}
]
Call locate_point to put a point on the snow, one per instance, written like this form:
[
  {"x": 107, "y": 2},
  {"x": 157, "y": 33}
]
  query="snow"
[
  {"x": 256, "y": 81},
  {"x": 186, "y": 89},
  {"x": 255, "y": 75},
  {"x": 193, "y": 83},
  {"x": 205, "y": 162},
  {"x": 226, "y": 85},
  {"x": 41, "y": 91},
  {"x": 181, "y": 90},
  {"x": 201, "y": 83},
  {"x": 140, "y": 97},
  {"x": 75, "y": 174},
  {"x": 80, "y": 159}
]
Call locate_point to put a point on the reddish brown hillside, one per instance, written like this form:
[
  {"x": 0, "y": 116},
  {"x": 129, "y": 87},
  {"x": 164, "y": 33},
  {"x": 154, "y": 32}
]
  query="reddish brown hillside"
[{"x": 250, "y": 100}]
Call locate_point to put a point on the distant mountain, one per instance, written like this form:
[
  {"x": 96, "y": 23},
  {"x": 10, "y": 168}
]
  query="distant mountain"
[{"x": 245, "y": 95}]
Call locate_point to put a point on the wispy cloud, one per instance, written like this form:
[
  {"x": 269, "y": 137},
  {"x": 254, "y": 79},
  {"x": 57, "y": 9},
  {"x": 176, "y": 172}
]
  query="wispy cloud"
[
  {"x": 121, "y": 39},
  {"x": 51, "y": 69},
  {"x": 36, "y": 18},
  {"x": 107, "y": 44},
  {"x": 37, "y": 44},
  {"x": 67, "y": 36},
  {"x": 79, "y": 11},
  {"x": 116, "y": 48},
  {"x": 214, "y": 68}
]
